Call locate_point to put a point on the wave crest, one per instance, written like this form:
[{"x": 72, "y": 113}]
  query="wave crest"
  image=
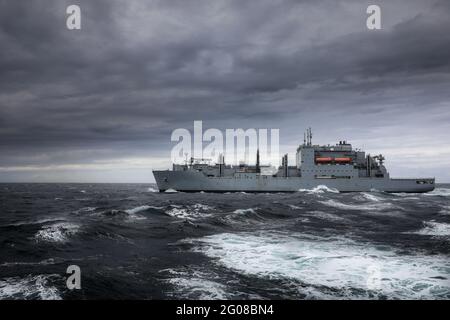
[
  {"x": 58, "y": 232},
  {"x": 191, "y": 212},
  {"x": 378, "y": 206},
  {"x": 325, "y": 266},
  {"x": 433, "y": 228},
  {"x": 319, "y": 189},
  {"x": 30, "y": 287},
  {"x": 443, "y": 192}
]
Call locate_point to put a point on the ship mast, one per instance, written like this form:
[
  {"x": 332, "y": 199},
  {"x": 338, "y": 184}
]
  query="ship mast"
[
  {"x": 307, "y": 137},
  {"x": 258, "y": 169}
]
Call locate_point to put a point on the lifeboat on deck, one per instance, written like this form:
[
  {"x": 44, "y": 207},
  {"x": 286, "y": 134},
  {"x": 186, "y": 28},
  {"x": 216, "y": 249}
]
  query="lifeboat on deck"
[
  {"x": 343, "y": 160},
  {"x": 324, "y": 159}
]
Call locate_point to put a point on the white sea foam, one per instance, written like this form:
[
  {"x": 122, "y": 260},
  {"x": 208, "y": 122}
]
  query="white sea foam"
[
  {"x": 433, "y": 228},
  {"x": 319, "y": 189},
  {"x": 294, "y": 207},
  {"x": 445, "y": 210},
  {"x": 363, "y": 207},
  {"x": 245, "y": 211},
  {"x": 191, "y": 212},
  {"x": 444, "y": 192},
  {"x": 406, "y": 196},
  {"x": 178, "y": 213},
  {"x": 133, "y": 213},
  {"x": 150, "y": 189},
  {"x": 30, "y": 287},
  {"x": 170, "y": 190},
  {"x": 338, "y": 264},
  {"x": 137, "y": 209},
  {"x": 204, "y": 207},
  {"x": 371, "y": 197},
  {"x": 239, "y": 217},
  {"x": 58, "y": 232},
  {"x": 196, "y": 284}
]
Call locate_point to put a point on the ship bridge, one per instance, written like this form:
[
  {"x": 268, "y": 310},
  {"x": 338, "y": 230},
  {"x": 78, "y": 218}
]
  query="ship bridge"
[{"x": 336, "y": 161}]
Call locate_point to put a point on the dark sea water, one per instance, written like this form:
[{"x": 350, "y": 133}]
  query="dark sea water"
[{"x": 134, "y": 243}]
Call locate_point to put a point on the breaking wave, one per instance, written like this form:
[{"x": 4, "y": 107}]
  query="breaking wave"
[
  {"x": 432, "y": 228},
  {"x": 58, "y": 232},
  {"x": 319, "y": 189},
  {"x": 325, "y": 265},
  {"x": 371, "y": 197},
  {"x": 443, "y": 192},
  {"x": 378, "y": 206},
  {"x": 445, "y": 210},
  {"x": 313, "y": 244},
  {"x": 195, "y": 284},
  {"x": 191, "y": 212},
  {"x": 132, "y": 213},
  {"x": 245, "y": 211},
  {"x": 30, "y": 287}
]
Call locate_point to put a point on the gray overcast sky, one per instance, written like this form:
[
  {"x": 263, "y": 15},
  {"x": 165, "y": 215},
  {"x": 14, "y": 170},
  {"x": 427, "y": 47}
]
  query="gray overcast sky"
[{"x": 99, "y": 104}]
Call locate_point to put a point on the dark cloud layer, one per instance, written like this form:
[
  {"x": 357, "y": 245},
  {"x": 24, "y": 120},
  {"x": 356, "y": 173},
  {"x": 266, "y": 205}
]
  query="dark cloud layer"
[{"x": 106, "y": 98}]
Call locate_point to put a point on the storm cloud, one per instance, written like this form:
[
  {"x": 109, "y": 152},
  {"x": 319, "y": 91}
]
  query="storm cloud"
[{"x": 99, "y": 104}]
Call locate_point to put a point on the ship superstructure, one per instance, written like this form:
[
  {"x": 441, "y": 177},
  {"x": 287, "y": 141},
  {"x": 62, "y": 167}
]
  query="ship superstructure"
[{"x": 338, "y": 167}]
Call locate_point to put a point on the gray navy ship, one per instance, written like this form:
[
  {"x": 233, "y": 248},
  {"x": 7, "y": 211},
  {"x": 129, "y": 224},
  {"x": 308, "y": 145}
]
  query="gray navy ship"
[{"x": 338, "y": 167}]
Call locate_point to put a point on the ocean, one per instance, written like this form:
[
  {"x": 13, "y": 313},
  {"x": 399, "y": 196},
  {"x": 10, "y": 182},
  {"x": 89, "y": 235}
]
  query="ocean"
[{"x": 132, "y": 242}]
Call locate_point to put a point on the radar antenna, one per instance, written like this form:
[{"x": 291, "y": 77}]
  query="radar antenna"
[
  {"x": 380, "y": 158},
  {"x": 308, "y": 136}
]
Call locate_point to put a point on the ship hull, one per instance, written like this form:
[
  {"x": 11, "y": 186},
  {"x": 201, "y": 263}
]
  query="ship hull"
[{"x": 193, "y": 181}]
